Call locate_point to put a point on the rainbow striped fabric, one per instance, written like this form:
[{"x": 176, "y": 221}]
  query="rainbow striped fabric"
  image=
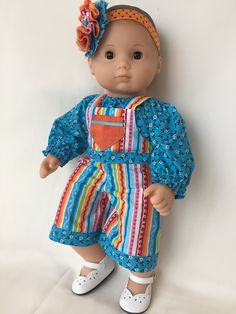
[
  {"x": 132, "y": 141},
  {"x": 104, "y": 203}
]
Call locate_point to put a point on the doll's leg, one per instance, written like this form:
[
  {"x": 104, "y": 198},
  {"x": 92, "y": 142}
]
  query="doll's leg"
[{"x": 93, "y": 253}]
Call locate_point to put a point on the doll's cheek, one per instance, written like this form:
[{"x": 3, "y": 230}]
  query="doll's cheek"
[{"x": 159, "y": 65}]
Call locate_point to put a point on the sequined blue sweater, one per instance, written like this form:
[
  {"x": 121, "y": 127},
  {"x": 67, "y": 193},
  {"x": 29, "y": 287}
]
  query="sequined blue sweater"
[{"x": 171, "y": 160}]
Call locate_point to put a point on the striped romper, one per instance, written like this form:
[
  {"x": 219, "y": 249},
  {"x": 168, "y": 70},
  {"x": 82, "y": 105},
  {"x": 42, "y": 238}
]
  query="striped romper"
[{"x": 104, "y": 202}]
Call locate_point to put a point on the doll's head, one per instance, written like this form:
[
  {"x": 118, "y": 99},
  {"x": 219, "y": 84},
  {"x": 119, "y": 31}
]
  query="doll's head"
[{"x": 122, "y": 46}]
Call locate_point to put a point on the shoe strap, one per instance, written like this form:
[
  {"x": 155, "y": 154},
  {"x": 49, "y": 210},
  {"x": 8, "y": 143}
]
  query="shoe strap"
[
  {"x": 141, "y": 280},
  {"x": 91, "y": 265},
  {"x": 95, "y": 265}
]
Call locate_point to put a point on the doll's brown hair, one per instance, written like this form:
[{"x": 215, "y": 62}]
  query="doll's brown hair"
[{"x": 128, "y": 12}]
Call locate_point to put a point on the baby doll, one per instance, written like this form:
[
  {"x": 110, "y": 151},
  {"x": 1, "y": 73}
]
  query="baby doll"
[{"x": 136, "y": 155}]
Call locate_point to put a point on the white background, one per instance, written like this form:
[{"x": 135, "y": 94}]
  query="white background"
[{"x": 42, "y": 75}]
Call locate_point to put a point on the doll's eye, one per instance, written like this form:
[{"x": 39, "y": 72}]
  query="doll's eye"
[
  {"x": 137, "y": 55},
  {"x": 109, "y": 55}
]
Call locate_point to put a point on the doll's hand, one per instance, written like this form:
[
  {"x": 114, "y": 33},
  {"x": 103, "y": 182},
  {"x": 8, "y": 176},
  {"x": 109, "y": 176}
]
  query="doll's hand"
[
  {"x": 161, "y": 197},
  {"x": 49, "y": 165}
]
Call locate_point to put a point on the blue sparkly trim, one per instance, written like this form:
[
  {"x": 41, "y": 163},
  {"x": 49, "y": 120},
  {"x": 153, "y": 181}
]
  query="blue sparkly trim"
[
  {"x": 73, "y": 238},
  {"x": 137, "y": 264},
  {"x": 118, "y": 158}
]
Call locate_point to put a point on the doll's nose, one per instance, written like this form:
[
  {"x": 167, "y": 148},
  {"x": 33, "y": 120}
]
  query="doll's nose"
[{"x": 123, "y": 64}]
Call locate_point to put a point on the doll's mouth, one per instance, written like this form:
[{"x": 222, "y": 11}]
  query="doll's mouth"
[{"x": 123, "y": 78}]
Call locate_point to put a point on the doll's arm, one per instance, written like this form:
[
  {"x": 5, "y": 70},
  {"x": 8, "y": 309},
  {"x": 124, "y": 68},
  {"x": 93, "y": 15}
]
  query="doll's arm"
[
  {"x": 172, "y": 162},
  {"x": 49, "y": 165},
  {"x": 68, "y": 136},
  {"x": 171, "y": 159},
  {"x": 161, "y": 197}
]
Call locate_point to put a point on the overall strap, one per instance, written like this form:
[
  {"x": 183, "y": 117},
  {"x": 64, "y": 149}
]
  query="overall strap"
[
  {"x": 97, "y": 100},
  {"x": 136, "y": 102}
]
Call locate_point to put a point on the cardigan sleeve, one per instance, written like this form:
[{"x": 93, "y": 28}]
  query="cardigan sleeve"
[
  {"x": 68, "y": 135},
  {"x": 172, "y": 161}
]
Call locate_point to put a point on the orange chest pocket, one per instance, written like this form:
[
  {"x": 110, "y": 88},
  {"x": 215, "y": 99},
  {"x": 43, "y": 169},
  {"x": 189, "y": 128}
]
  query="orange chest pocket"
[{"x": 106, "y": 130}]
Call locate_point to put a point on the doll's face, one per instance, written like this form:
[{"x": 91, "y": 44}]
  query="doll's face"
[{"x": 126, "y": 60}]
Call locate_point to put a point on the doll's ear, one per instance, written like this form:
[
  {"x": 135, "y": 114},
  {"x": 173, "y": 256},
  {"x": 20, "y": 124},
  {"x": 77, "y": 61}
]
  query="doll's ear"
[
  {"x": 159, "y": 65},
  {"x": 91, "y": 65}
]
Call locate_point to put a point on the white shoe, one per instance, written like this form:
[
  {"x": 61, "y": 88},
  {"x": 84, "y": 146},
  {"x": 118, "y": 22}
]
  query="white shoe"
[
  {"x": 84, "y": 284},
  {"x": 137, "y": 303}
]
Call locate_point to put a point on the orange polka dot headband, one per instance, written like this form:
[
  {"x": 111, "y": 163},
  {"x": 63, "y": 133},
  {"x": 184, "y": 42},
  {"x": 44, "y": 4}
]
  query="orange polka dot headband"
[
  {"x": 95, "y": 16},
  {"x": 120, "y": 12}
]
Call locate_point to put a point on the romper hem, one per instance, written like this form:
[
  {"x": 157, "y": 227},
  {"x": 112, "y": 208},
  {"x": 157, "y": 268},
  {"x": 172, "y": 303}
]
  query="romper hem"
[
  {"x": 73, "y": 238},
  {"x": 138, "y": 264},
  {"x": 134, "y": 263}
]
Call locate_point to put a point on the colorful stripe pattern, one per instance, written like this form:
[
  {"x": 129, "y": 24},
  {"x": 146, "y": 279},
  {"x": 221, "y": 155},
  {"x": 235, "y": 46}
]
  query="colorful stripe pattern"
[
  {"x": 109, "y": 198},
  {"x": 104, "y": 202},
  {"x": 132, "y": 141}
]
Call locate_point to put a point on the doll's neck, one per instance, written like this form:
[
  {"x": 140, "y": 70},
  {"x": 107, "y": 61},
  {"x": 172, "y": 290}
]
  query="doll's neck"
[{"x": 124, "y": 95}]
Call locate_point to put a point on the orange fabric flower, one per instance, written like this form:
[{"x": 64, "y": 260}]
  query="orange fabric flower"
[
  {"x": 83, "y": 38},
  {"x": 90, "y": 27}
]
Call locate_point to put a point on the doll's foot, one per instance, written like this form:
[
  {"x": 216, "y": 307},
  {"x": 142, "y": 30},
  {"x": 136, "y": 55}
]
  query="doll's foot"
[
  {"x": 85, "y": 271},
  {"x": 136, "y": 288},
  {"x": 92, "y": 274}
]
